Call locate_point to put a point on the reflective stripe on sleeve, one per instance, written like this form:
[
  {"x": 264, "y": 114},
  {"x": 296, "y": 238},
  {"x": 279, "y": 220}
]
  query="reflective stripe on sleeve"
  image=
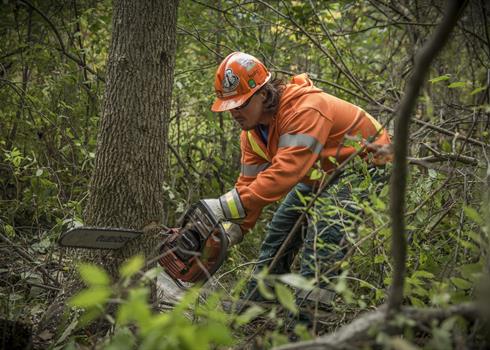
[
  {"x": 232, "y": 205},
  {"x": 295, "y": 140},
  {"x": 253, "y": 169}
]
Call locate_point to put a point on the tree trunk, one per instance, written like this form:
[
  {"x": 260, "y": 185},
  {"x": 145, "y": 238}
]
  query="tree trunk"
[{"x": 126, "y": 186}]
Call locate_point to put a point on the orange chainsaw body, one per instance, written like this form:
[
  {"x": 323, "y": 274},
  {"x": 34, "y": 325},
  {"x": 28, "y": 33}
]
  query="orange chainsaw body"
[{"x": 194, "y": 260}]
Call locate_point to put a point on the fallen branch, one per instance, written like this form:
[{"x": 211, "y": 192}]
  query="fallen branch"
[{"x": 360, "y": 329}]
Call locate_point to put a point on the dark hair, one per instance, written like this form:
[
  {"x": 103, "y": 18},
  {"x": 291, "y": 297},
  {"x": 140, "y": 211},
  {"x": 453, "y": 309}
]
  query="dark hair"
[{"x": 273, "y": 88}]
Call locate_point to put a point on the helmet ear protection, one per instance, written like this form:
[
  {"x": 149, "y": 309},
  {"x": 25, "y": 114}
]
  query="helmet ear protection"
[{"x": 238, "y": 77}]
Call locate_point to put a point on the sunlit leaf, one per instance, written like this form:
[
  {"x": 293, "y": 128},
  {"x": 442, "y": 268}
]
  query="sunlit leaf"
[
  {"x": 457, "y": 84},
  {"x": 91, "y": 297},
  {"x": 93, "y": 275},
  {"x": 440, "y": 78},
  {"x": 477, "y": 90},
  {"x": 286, "y": 297},
  {"x": 473, "y": 215},
  {"x": 250, "y": 314},
  {"x": 131, "y": 266},
  {"x": 264, "y": 290},
  {"x": 461, "y": 283}
]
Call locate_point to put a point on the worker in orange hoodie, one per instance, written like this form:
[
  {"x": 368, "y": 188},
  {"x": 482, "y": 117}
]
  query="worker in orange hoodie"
[{"x": 292, "y": 136}]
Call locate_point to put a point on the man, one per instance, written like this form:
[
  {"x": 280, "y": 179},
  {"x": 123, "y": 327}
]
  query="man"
[{"x": 292, "y": 135}]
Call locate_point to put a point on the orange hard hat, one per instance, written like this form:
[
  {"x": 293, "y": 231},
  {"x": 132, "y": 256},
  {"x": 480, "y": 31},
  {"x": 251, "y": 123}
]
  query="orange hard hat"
[{"x": 238, "y": 77}]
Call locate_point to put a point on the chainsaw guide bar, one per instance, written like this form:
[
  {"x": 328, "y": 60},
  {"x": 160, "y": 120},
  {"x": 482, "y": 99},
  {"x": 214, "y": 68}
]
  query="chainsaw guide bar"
[{"x": 97, "y": 237}]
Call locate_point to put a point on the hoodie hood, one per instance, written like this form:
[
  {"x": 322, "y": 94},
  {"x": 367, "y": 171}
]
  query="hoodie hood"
[{"x": 299, "y": 86}]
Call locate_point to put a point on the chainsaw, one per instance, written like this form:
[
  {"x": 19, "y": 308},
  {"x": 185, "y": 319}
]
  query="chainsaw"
[{"x": 191, "y": 253}]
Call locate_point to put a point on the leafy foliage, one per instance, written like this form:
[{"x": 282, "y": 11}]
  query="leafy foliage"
[{"x": 51, "y": 90}]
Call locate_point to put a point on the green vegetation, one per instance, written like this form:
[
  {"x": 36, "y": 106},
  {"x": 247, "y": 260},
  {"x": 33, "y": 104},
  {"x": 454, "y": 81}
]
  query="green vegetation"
[{"x": 52, "y": 69}]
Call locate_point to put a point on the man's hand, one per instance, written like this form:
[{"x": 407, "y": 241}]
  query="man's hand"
[
  {"x": 382, "y": 154},
  {"x": 233, "y": 232}
]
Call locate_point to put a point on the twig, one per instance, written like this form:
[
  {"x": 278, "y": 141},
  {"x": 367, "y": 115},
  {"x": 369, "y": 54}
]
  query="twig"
[
  {"x": 450, "y": 133},
  {"x": 181, "y": 162},
  {"x": 443, "y": 157},
  {"x": 43, "y": 286}
]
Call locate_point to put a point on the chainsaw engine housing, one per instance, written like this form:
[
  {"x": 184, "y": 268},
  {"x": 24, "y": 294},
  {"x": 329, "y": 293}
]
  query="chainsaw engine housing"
[{"x": 194, "y": 252}]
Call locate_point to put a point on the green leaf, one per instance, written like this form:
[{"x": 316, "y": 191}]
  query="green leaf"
[
  {"x": 446, "y": 146},
  {"x": 93, "y": 275},
  {"x": 91, "y": 297},
  {"x": 249, "y": 315},
  {"x": 218, "y": 333},
  {"x": 473, "y": 215},
  {"x": 302, "y": 332},
  {"x": 89, "y": 316},
  {"x": 39, "y": 172},
  {"x": 264, "y": 291},
  {"x": 286, "y": 298},
  {"x": 121, "y": 340},
  {"x": 461, "y": 283},
  {"x": 457, "y": 84},
  {"x": 416, "y": 301},
  {"x": 9, "y": 230},
  {"x": 477, "y": 90},
  {"x": 423, "y": 274},
  {"x": 440, "y": 78},
  {"x": 131, "y": 266},
  {"x": 471, "y": 272},
  {"x": 297, "y": 281}
]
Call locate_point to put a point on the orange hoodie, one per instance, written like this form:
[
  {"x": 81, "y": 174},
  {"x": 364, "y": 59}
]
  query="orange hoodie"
[{"x": 309, "y": 126}]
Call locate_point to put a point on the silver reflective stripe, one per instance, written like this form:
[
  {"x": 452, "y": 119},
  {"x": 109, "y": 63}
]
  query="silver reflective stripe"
[
  {"x": 253, "y": 169},
  {"x": 323, "y": 296},
  {"x": 232, "y": 205},
  {"x": 295, "y": 140}
]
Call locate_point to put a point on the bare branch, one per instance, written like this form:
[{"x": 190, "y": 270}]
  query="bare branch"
[{"x": 402, "y": 126}]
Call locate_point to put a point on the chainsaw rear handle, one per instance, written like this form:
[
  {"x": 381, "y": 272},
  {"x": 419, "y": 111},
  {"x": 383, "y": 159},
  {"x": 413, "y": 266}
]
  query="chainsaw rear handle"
[
  {"x": 222, "y": 253},
  {"x": 201, "y": 232}
]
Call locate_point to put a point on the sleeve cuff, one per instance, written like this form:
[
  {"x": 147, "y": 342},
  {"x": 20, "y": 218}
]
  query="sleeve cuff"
[{"x": 232, "y": 205}]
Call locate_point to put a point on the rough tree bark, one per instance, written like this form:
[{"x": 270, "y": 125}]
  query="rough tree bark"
[{"x": 126, "y": 186}]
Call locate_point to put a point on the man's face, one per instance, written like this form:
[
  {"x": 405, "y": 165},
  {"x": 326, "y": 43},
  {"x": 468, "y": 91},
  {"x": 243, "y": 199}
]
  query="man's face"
[{"x": 250, "y": 114}]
